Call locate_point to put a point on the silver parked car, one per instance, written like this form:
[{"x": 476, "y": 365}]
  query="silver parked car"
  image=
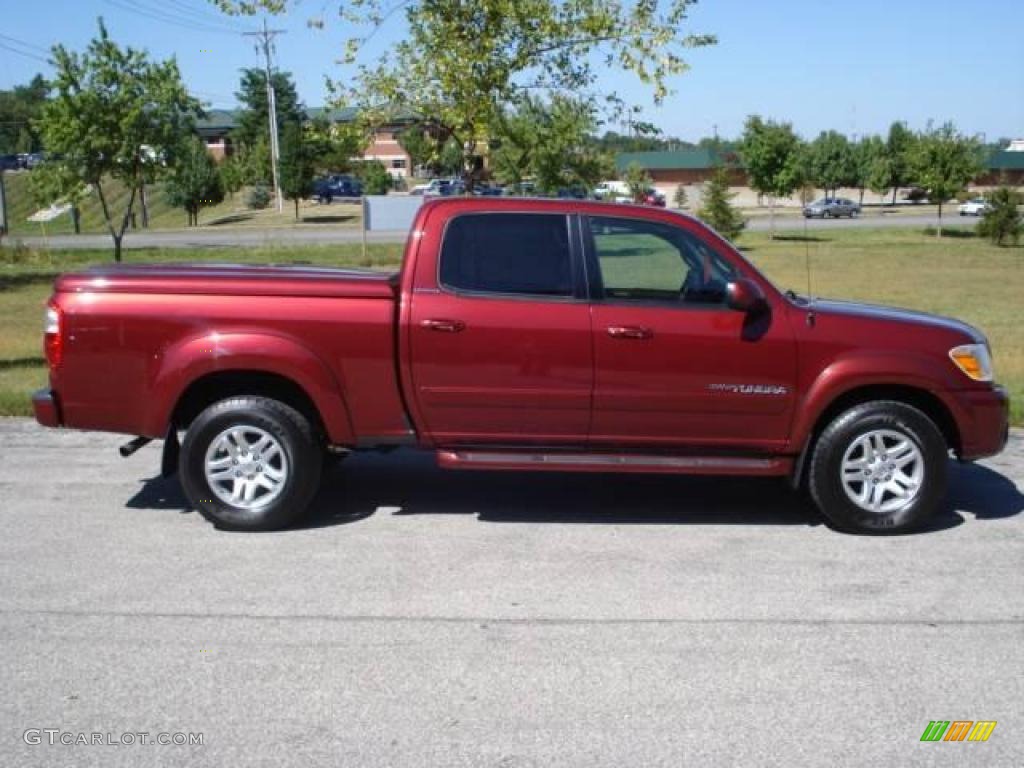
[{"x": 831, "y": 207}]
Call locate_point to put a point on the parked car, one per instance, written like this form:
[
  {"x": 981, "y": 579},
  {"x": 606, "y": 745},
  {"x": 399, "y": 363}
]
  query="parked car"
[
  {"x": 977, "y": 206},
  {"x": 434, "y": 187},
  {"x": 613, "y": 191},
  {"x": 521, "y": 334},
  {"x": 9, "y": 163},
  {"x": 339, "y": 185},
  {"x": 916, "y": 195},
  {"x": 488, "y": 190},
  {"x": 577, "y": 192},
  {"x": 655, "y": 198},
  {"x": 831, "y": 207}
]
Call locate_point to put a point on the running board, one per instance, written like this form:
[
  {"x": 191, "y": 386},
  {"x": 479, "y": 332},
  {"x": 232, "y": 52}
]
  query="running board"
[{"x": 606, "y": 462}]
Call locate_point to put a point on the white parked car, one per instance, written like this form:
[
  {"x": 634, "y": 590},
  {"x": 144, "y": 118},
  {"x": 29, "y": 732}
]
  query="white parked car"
[
  {"x": 975, "y": 207},
  {"x": 613, "y": 192}
]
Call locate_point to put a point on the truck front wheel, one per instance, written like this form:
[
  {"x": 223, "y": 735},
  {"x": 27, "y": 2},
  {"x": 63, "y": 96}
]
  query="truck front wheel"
[
  {"x": 879, "y": 467},
  {"x": 250, "y": 464}
]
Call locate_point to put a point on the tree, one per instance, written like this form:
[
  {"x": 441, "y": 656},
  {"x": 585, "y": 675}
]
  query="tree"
[
  {"x": 829, "y": 162},
  {"x": 1002, "y": 221},
  {"x": 296, "y": 170},
  {"x": 867, "y": 153},
  {"x": 333, "y": 145},
  {"x": 680, "y": 198},
  {"x": 423, "y": 148},
  {"x": 638, "y": 181},
  {"x": 944, "y": 161},
  {"x": 772, "y": 156},
  {"x": 550, "y": 142},
  {"x": 253, "y": 119},
  {"x": 19, "y": 108},
  {"x": 195, "y": 182},
  {"x": 116, "y": 115},
  {"x": 890, "y": 169},
  {"x": 462, "y": 62},
  {"x": 232, "y": 175},
  {"x": 375, "y": 177},
  {"x": 716, "y": 208}
]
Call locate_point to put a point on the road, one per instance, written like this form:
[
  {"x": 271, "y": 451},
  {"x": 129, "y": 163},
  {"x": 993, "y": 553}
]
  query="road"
[
  {"x": 424, "y": 618},
  {"x": 317, "y": 234}
]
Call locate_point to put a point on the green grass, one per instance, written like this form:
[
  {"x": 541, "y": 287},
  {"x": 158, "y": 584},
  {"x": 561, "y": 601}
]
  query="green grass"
[
  {"x": 230, "y": 213},
  {"x": 961, "y": 275}
]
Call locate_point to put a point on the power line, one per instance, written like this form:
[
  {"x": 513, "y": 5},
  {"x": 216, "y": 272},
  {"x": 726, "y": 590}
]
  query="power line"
[
  {"x": 22, "y": 53},
  {"x": 169, "y": 19},
  {"x": 206, "y": 16},
  {"x": 22, "y": 43}
]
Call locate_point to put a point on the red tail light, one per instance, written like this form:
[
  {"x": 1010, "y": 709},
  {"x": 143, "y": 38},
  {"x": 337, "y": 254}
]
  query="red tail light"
[{"x": 53, "y": 340}]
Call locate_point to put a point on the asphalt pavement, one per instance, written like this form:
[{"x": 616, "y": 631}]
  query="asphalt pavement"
[
  {"x": 322, "y": 234},
  {"x": 431, "y": 618}
]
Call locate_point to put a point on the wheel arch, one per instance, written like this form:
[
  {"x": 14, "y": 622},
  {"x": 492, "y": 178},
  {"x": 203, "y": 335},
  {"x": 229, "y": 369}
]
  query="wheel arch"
[{"x": 925, "y": 401}]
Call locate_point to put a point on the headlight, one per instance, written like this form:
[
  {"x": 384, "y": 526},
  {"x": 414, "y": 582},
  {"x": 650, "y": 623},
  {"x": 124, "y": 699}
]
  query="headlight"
[{"x": 974, "y": 360}]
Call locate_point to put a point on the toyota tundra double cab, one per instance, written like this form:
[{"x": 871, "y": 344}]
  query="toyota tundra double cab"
[{"x": 524, "y": 335}]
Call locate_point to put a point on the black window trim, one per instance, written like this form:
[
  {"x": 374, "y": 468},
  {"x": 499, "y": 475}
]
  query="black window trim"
[
  {"x": 595, "y": 281},
  {"x": 579, "y": 287}
]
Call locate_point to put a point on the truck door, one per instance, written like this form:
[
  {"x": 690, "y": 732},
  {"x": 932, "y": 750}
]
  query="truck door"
[
  {"x": 674, "y": 366},
  {"x": 499, "y": 336}
]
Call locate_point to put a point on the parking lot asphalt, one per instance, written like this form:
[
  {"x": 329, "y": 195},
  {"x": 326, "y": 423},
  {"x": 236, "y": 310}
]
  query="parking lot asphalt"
[{"x": 428, "y": 618}]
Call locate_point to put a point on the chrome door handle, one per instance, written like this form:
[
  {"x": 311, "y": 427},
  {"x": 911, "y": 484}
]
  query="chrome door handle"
[
  {"x": 629, "y": 332},
  {"x": 443, "y": 325}
]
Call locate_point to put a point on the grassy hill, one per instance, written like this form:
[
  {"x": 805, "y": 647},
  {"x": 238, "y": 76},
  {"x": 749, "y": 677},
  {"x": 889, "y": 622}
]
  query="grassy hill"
[{"x": 233, "y": 211}]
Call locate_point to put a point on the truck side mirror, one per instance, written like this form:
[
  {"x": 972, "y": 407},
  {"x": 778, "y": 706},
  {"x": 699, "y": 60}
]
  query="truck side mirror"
[{"x": 744, "y": 295}]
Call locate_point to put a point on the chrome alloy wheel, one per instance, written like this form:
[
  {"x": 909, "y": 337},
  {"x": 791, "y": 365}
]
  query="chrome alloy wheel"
[
  {"x": 246, "y": 467},
  {"x": 882, "y": 471}
]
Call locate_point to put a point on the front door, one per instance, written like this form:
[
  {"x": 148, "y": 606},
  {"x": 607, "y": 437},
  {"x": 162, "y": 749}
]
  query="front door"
[
  {"x": 501, "y": 350},
  {"x": 674, "y": 366}
]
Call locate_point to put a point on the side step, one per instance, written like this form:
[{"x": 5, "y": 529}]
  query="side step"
[{"x": 607, "y": 462}]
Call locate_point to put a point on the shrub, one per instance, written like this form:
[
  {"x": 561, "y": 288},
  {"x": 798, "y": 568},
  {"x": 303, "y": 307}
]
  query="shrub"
[
  {"x": 679, "y": 197},
  {"x": 716, "y": 209},
  {"x": 375, "y": 177},
  {"x": 1002, "y": 221},
  {"x": 258, "y": 197}
]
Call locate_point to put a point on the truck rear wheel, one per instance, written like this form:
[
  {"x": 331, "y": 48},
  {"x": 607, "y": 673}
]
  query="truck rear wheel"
[
  {"x": 250, "y": 464},
  {"x": 879, "y": 467}
]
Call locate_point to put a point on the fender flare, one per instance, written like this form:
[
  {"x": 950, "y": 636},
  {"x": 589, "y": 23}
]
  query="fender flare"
[
  {"x": 179, "y": 365},
  {"x": 867, "y": 369}
]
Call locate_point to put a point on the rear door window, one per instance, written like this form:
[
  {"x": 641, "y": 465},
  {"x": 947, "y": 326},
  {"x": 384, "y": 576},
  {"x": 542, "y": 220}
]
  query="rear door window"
[{"x": 508, "y": 253}]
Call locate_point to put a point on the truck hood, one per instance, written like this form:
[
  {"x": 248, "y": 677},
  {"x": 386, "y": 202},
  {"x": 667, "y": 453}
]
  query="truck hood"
[
  {"x": 894, "y": 315},
  {"x": 232, "y": 279}
]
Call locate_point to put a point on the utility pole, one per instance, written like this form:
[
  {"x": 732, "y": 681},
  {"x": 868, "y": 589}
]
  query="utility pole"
[{"x": 265, "y": 45}]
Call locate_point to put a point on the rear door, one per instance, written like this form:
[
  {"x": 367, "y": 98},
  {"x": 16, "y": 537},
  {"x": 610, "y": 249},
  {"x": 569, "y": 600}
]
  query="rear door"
[
  {"x": 674, "y": 366},
  {"x": 500, "y": 336}
]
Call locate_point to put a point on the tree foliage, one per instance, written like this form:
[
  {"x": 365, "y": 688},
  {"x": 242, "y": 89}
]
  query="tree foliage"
[
  {"x": 19, "y": 108},
  {"x": 115, "y": 115},
  {"x": 830, "y": 162},
  {"x": 944, "y": 161},
  {"x": 195, "y": 181},
  {"x": 375, "y": 177},
  {"x": 638, "y": 180},
  {"x": 890, "y": 167},
  {"x": 771, "y": 153},
  {"x": 716, "y": 206},
  {"x": 548, "y": 141},
  {"x": 253, "y": 119},
  {"x": 296, "y": 165},
  {"x": 1002, "y": 221},
  {"x": 462, "y": 61}
]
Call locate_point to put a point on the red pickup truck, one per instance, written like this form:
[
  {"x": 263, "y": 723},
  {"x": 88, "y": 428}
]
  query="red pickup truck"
[{"x": 521, "y": 335}]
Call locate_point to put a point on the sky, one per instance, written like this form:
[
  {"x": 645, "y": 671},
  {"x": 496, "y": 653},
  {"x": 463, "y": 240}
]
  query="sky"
[{"x": 854, "y": 66}]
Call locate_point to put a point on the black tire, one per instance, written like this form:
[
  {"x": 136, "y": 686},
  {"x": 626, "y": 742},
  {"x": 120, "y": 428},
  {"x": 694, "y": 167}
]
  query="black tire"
[
  {"x": 825, "y": 472},
  {"x": 297, "y": 441}
]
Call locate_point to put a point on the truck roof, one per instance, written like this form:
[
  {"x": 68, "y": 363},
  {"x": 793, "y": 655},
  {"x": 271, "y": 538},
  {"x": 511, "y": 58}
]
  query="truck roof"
[{"x": 551, "y": 204}]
